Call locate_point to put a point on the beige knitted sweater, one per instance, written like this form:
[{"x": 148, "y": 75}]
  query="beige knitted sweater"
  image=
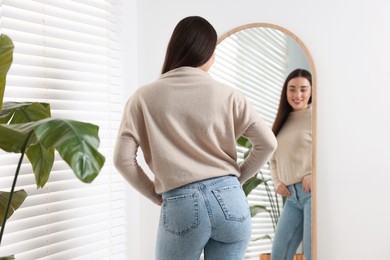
[
  {"x": 292, "y": 159},
  {"x": 186, "y": 124}
]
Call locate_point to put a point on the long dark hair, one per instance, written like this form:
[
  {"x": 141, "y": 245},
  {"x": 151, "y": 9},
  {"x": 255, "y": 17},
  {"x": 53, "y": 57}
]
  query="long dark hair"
[
  {"x": 284, "y": 107},
  {"x": 192, "y": 43}
]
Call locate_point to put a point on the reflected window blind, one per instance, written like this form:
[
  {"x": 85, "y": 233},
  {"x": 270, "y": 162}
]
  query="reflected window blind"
[
  {"x": 253, "y": 61},
  {"x": 67, "y": 54}
]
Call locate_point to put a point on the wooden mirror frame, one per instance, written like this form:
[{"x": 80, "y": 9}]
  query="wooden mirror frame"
[{"x": 314, "y": 115}]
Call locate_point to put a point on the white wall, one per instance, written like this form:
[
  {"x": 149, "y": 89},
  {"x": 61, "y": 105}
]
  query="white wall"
[{"x": 349, "y": 42}]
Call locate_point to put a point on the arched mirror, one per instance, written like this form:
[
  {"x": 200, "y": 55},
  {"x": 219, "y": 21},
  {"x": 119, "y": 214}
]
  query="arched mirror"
[{"x": 256, "y": 59}]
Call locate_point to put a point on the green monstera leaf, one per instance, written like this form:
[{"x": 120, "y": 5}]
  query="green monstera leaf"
[
  {"x": 17, "y": 200},
  {"x": 255, "y": 209},
  {"x": 76, "y": 142},
  {"x": 251, "y": 184},
  {"x": 42, "y": 160},
  {"x": 23, "y": 112},
  {"x": 10, "y": 257},
  {"x": 6, "y": 56}
]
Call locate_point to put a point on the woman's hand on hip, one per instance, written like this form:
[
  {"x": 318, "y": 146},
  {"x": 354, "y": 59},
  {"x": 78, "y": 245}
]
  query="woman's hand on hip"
[
  {"x": 157, "y": 199},
  {"x": 283, "y": 190},
  {"x": 306, "y": 183}
]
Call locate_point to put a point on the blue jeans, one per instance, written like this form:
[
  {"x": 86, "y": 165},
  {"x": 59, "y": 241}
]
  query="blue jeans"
[
  {"x": 294, "y": 226},
  {"x": 211, "y": 215}
]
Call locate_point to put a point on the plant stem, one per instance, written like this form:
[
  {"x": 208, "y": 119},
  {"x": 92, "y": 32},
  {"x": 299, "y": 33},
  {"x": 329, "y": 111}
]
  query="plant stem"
[
  {"x": 273, "y": 212},
  {"x": 272, "y": 204},
  {"x": 23, "y": 150}
]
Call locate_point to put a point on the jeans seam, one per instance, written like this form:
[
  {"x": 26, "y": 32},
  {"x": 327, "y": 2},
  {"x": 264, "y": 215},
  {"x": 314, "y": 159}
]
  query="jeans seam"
[{"x": 202, "y": 187}]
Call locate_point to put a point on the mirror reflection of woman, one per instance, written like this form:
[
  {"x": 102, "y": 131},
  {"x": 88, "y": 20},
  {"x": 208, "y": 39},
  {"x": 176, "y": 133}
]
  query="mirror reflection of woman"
[{"x": 291, "y": 166}]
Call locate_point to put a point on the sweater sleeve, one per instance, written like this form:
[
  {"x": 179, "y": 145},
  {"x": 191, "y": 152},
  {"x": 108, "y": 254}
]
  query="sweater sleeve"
[
  {"x": 125, "y": 152},
  {"x": 274, "y": 172},
  {"x": 262, "y": 139},
  {"x": 125, "y": 160}
]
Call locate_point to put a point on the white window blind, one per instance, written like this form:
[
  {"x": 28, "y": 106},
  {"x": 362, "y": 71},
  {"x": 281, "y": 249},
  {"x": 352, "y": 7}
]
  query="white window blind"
[
  {"x": 254, "y": 61},
  {"x": 67, "y": 54}
]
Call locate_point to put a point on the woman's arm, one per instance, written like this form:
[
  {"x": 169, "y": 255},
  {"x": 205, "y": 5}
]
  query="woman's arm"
[
  {"x": 125, "y": 160},
  {"x": 263, "y": 146}
]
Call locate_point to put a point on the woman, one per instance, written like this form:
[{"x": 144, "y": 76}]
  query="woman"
[
  {"x": 291, "y": 166},
  {"x": 187, "y": 124}
]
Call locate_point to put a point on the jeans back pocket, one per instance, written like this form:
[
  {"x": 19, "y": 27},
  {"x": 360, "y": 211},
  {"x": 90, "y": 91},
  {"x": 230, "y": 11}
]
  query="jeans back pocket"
[
  {"x": 180, "y": 213},
  {"x": 233, "y": 202}
]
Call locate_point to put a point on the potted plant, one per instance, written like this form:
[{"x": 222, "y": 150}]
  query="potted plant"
[
  {"x": 28, "y": 128},
  {"x": 274, "y": 209}
]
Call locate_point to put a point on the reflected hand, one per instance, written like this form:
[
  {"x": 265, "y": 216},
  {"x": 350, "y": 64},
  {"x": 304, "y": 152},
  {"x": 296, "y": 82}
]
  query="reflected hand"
[
  {"x": 283, "y": 190},
  {"x": 306, "y": 183}
]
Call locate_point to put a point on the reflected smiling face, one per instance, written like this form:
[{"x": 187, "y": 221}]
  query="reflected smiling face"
[{"x": 298, "y": 93}]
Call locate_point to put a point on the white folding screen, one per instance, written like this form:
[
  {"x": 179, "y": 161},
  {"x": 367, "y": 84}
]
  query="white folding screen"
[
  {"x": 66, "y": 54},
  {"x": 254, "y": 61}
]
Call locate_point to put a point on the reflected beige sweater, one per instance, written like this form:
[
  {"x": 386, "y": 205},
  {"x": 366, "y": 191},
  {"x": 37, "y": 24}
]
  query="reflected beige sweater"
[
  {"x": 292, "y": 159},
  {"x": 186, "y": 124}
]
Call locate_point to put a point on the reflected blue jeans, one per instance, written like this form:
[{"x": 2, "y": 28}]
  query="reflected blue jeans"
[
  {"x": 210, "y": 215},
  {"x": 294, "y": 226}
]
